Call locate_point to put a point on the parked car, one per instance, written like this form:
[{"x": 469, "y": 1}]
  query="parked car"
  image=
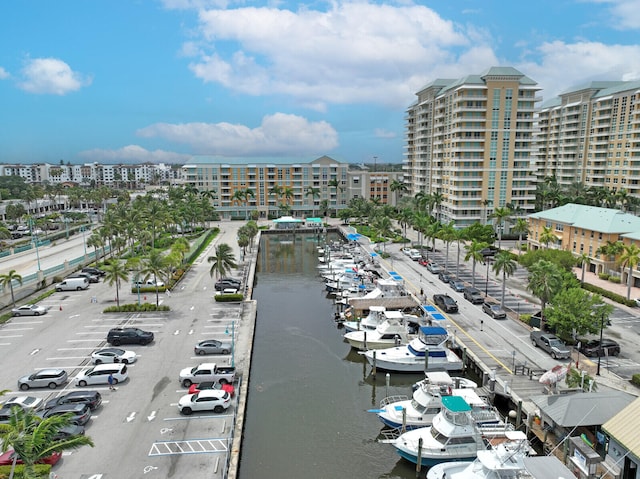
[
  {"x": 29, "y": 310},
  {"x": 92, "y": 278},
  {"x": 209, "y": 400},
  {"x": 73, "y": 284},
  {"x": 457, "y": 284},
  {"x": 227, "y": 283},
  {"x": 45, "y": 378},
  {"x": 474, "y": 295},
  {"x": 93, "y": 399},
  {"x": 113, "y": 355},
  {"x": 434, "y": 268},
  {"x": 99, "y": 374},
  {"x": 494, "y": 310},
  {"x": 406, "y": 251},
  {"x": 593, "y": 347},
  {"x": 7, "y": 458},
  {"x": 149, "y": 283},
  {"x": 204, "y": 386},
  {"x": 29, "y": 403},
  {"x": 550, "y": 343},
  {"x": 415, "y": 255},
  {"x": 444, "y": 276},
  {"x": 80, "y": 413},
  {"x": 5, "y": 415},
  {"x": 212, "y": 346},
  {"x": 446, "y": 303},
  {"x": 69, "y": 431},
  {"x": 94, "y": 271},
  {"x": 118, "y": 336},
  {"x": 423, "y": 261}
]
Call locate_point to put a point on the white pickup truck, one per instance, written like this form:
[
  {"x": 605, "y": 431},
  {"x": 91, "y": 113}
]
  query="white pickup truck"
[{"x": 209, "y": 372}]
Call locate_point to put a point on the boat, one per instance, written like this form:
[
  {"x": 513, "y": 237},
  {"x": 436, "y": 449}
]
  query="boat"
[
  {"x": 453, "y": 436},
  {"x": 428, "y": 351},
  {"x": 443, "y": 377},
  {"x": 370, "y": 322},
  {"x": 393, "y": 331},
  {"x": 426, "y": 403},
  {"x": 507, "y": 460}
]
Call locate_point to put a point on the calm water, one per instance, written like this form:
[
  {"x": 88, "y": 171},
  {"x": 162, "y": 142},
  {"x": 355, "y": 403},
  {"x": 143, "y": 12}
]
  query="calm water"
[{"x": 309, "y": 392}]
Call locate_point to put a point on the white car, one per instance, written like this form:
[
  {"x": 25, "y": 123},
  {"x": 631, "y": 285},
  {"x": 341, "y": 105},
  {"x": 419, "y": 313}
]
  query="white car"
[
  {"x": 216, "y": 400},
  {"x": 148, "y": 283},
  {"x": 28, "y": 403},
  {"x": 29, "y": 310},
  {"x": 113, "y": 355},
  {"x": 100, "y": 374}
]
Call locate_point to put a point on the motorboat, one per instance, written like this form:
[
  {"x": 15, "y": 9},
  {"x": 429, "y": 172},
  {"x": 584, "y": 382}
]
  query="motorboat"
[
  {"x": 443, "y": 377},
  {"x": 507, "y": 460},
  {"x": 393, "y": 331},
  {"x": 453, "y": 436},
  {"x": 426, "y": 352},
  {"x": 426, "y": 403},
  {"x": 370, "y": 322}
]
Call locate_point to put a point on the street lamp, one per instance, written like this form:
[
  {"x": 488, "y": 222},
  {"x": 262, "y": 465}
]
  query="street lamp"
[
  {"x": 486, "y": 283},
  {"x": 600, "y": 350},
  {"x": 233, "y": 342},
  {"x": 34, "y": 238}
]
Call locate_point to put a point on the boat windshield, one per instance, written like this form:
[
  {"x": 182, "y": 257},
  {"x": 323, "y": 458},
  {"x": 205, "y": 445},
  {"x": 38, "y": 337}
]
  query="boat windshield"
[{"x": 421, "y": 409}]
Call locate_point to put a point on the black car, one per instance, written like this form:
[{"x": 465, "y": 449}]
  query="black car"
[
  {"x": 446, "y": 303},
  {"x": 474, "y": 295},
  {"x": 94, "y": 271},
  {"x": 593, "y": 347},
  {"x": 118, "y": 336},
  {"x": 92, "y": 278},
  {"x": 494, "y": 310},
  {"x": 227, "y": 283},
  {"x": 80, "y": 413},
  {"x": 456, "y": 284},
  {"x": 444, "y": 276},
  {"x": 93, "y": 399}
]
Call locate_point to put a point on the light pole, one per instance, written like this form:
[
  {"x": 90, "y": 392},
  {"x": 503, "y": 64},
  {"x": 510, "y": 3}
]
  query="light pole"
[
  {"x": 84, "y": 242},
  {"x": 34, "y": 238},
  {"x": 600, "y": 351},
  {"x": 233, "y": 342},
  {"x": 486, "y": 283}
]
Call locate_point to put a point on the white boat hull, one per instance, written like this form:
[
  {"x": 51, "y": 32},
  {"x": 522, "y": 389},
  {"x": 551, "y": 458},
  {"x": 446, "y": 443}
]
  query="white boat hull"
[{"x": 400, "y": 360}]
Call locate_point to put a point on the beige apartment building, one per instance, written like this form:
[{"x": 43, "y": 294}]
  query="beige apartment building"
[
  {"x": 471, "y": 140},
  {"x": 591, "y": 135}
]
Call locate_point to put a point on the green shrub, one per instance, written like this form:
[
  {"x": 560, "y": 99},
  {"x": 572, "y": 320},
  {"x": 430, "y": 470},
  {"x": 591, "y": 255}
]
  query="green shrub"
[
  {"x": 136, "y": 308},
  {"x": 525, "y": 318},
  {"x": 614, "y": 279},
  {"x": 604, "y": 276},
  {"x": 608, "y": 294},
  {"x": 635, "y": 379},
  {"x": 228, "y": 298},
  {"x": 148, "y": 289},
  {"x": 41, "y": 470}
]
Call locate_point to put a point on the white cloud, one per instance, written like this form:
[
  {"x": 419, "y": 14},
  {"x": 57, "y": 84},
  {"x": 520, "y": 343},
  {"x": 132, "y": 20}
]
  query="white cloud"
[
  {"x": 3, "y": 73},
  {"x": 279, "y": 134},
  {"x": 565, "y": 65},
  {"x": 624, "y": 13},
  {"x": 334, "y": 56},
  {"x": 133, "y": 154},
  {"x": 382, "y": 133},
  {"x": 51, "y": 76}
]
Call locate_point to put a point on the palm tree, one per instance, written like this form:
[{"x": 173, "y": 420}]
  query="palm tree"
[
  {"x": 223, "y": 261},
  {"x": 583, "y": 260},
  {"x": 315, "y": 194},
  {"x": 547, "y": 236},
  {"x": 155, "y": 265},
  {"x": 398, "y": 187},
  {"x": 448, "y": 234},
  {"x": 501, "y": 216},
  {"x": 383, "y": 228},
  {"x": 474, "y": 252},
  {"x": 436, "y": 200},
  {"x": 275, "y": 190},
  {"x": 115, "y": 272},
  {"x": 8, "y": 279},
  {"x": 34, "y": 439},
  {"x": 521, "y": 227},
  {"x": 545, "y": 281},
  {"x": 335, "y": 183},
  {"x": 503, "y": 262},
  {"x": 630, "y": 258}
]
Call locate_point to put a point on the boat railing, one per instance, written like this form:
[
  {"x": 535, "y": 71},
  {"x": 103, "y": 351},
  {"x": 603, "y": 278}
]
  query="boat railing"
[
  {"x": 391, "y": 399},
  {"x": 389, "y": 435},
  {"x": 484, "y": 415}
]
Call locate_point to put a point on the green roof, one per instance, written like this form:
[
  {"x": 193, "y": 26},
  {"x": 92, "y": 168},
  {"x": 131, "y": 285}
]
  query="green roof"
[
  {"x": 603, "y": 220},
  {"x": 455, "y": 403}
]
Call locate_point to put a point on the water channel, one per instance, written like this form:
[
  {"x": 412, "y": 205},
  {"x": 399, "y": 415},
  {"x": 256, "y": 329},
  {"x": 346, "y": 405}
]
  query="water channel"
[{"x": 309, "y": 393}]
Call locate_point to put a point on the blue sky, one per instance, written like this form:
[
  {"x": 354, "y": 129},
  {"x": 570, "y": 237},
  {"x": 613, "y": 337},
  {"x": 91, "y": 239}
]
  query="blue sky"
[{"x": 161, "y": 80}]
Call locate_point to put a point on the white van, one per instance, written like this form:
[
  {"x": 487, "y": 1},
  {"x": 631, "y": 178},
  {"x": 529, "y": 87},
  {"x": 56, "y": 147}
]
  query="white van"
[
  {"x": 73, "y": 284},
  {"x": 100, "y": 374}
]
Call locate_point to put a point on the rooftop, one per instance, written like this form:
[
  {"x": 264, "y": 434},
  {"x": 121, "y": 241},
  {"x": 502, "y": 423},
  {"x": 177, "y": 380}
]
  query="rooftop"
[{"x": 603, "y": 220}]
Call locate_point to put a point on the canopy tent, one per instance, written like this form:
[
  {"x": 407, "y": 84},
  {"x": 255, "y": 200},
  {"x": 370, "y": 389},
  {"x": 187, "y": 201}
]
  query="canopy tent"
[{"x": 286, "y": 222}]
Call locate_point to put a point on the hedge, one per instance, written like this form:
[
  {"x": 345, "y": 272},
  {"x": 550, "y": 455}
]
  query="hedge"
[
  {"x": 135, "y": 308},
  {"x": 608, "y": 294},
  {"x": 41, "y": 470},
  {"x": 635, "y": 379},
  {"x": 229, "y": 298}
]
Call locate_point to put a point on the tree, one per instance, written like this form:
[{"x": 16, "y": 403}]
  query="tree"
[
  {"x": 521, "y": 227},
  {"x": 547, "y": 236},
  {"x": 398, "y": 187},
  {"x": 630, "y": 258},
  {"x": 34, "y": 439},
  {"x": 504, "y": 263},
  {"x": 583, "y": 261},
  {"x": 448, "y": 234},
  {"x": 501, "y": 216},
  {"x": 8, "y": 279},
  {"x": 383, "y": 229},
  {"x": 315, "y": 194},
  {"x": 223, "y": 261},
  {"x": 155, "y": 265},
  {"x": 115, "y": 272},
  {"x": 576, "y": 312},
  {"x": 275, "y": 190},
  {"x": 545, "y": 281},
  {"x": 474, "y": 253}
]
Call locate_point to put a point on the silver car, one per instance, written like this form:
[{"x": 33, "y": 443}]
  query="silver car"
[
  {"x": 29, "y": 310},
  {"x": 212, "y": 346},
  {"x": 45, "y": 378}
]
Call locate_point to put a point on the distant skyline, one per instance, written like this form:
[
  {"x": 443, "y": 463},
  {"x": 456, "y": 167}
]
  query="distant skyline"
[{"x": 162, "y": 80}]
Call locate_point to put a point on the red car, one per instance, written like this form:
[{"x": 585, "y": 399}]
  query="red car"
[
  {"x": 423, "y": 262},
  {"x": 195, "y": 388},
  {"x": 7, "y": 459}
]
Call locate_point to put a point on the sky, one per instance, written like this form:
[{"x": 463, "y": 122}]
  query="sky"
[{"x": 132, "y": 81}]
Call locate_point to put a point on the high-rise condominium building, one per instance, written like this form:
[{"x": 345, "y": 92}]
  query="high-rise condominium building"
[
  {"x": 591, "y": 135},
  {"x": 470, "y": 142}
]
